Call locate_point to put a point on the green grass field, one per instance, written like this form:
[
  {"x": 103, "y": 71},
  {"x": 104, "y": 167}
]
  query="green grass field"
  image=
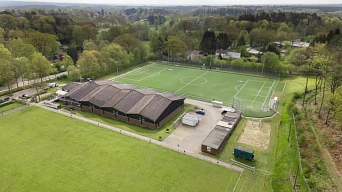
[
  {"x": 204, "y": 85},
  {"x": 46, "y": 151}
]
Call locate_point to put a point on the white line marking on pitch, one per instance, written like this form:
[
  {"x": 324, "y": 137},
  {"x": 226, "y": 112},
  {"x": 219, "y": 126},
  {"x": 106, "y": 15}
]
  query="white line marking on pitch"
[
  {"x": 268, "y": 94},
  {"x": 191, "y": 82},
  {"x": 241, "y": 88}
]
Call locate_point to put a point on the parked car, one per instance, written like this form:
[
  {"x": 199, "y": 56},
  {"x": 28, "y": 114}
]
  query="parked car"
[
  {"x": 53, "y": 85},
  {"x": 6, "y": 99},
  {"x": 201, "y": 112},
  {"x": 1, "y": 101},
  {"x": 24, "y": 95}
]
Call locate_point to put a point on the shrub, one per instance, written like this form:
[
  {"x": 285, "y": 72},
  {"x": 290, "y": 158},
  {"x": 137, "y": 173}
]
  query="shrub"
[
  {"x": 301, "y": 139},
  {"x": 297, "y": 95}
]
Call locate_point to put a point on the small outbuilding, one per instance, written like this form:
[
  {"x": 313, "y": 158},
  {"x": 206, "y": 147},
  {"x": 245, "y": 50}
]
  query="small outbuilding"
[{"x": 244, "y": 153}]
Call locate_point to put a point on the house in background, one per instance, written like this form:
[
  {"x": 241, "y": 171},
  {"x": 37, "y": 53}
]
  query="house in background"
[
  {"x": 223, "y": 53},
  {"x": 194, "y": 55},
  {"x": 226, "y": 54}
]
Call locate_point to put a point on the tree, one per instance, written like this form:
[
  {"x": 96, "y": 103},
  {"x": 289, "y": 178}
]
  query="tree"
[
  {"x": 270, "y": 61},
  {"x": 40, "y": 66},
  {"x": 176, "y": 47},
  {"x": 153, "y": 44},
  {"x": 243, "y": 51},
  {"x": 67, "y": 61},
  {"x": 73, "y": 53},
  {"x": 335, "y": 103},
  {"x": 89, "y": 64},
  {"x": 208, "y": 43},
  {"x": 6, "y": 73},
  {"x": 114, "y": 32},
  {"x": 19, "y": 48}
]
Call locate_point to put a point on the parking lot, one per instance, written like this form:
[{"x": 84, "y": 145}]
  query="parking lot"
[{"x": 190, "y": 138}]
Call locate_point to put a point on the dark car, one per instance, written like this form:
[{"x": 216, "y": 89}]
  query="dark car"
[{"x": 6, "y": 99}]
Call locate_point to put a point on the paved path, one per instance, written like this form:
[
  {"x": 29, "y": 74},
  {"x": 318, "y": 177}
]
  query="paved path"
[{"x": 156, "y": 142}]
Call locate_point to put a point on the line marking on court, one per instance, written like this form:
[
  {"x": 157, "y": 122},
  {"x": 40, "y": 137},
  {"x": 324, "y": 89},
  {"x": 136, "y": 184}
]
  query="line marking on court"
[
  {"x": 241, "y": 88},
  {"x": 134, "y": 70},
  {"x": 191, "y": 81},
  {"x": 153, "y": 74},
  {"x": 250, "y": 101},
  {"x": 259, "y": 91},
  {"x": 268, "y": 94},
  {"x": 284, "y": 87}
]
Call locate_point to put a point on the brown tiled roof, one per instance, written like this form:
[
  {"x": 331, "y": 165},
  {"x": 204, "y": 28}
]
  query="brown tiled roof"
[
  {"x": 146, "y": 91},
  {"x": 124, "y": 86},
  {"x": 172, "y": 96},
  {"x": 81, "y": 91},
  {"x": 104, "y": 82},
  {"x": 141, "y": 104},
  {"x": 126, "y": 103},
  {"x": 116, "y": 98},
  {"x": 156, "y": 107},
  {"x": 104, "y": 95},
  {"x": 93, "y": 93},
  {"x": 70, "y": 86}
]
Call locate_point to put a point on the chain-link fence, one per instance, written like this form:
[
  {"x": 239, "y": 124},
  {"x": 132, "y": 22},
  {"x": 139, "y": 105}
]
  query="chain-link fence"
[{"x": 252, "y": 111}]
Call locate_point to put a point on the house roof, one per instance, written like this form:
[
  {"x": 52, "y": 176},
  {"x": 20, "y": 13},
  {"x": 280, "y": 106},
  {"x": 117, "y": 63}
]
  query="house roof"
[
  {"x": 156, "y": 107},
  {"x": 234, "y": 55},
  {"x": 81, "y": 91},
  {"x": 93, "y": 93},
  {"x": 126, "y": 103},
  {"x": 104, "y": 95},
  {"x": 172, "y": 96},
  {"x": 221, "y": 51},
  {"x": 71, "y": 86},
  {"x": 116, "y": 98},
  {"x": 141, "y": 104},
  {"x": 215, "y": 138}
]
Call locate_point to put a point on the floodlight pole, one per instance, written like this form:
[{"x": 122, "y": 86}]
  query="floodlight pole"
[
  {"x": 117, "y": 71},
  {"x": 171, "y": 78},
  {"x": 168, "y": 56},
  {"x": 263, "y": 64}
]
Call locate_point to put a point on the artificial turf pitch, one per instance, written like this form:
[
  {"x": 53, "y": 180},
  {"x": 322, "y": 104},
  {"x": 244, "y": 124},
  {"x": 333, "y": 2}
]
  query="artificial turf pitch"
[
  {"x": 206, "y": 85},
  {"x": 45, "y": 151}
]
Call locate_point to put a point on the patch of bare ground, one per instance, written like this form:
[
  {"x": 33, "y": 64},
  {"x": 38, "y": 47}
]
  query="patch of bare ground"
[
  {"x": 256, "y": 133},
  {"x": 331, "y": 137}
]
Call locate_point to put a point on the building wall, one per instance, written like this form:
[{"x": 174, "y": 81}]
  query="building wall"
[
  {"x": 170, "y": 116},
  {"x": 108, "y": 114},
  {"x": 97, "y": 111},
  {"x": 170, "y": 109},
  {"x": 212, "y": 151},
  {"x": 86, "y": 108},
  {"x": 122, "y": 118},
  {"x": 135, "y": 121},
  {"x": 149, "y": 125}
]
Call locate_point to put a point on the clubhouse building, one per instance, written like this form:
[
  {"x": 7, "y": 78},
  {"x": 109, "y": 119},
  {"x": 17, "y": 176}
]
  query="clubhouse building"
[{"x": 140, "y": 106}]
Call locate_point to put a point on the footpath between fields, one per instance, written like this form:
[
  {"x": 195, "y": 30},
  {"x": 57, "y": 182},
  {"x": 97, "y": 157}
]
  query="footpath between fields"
[{"x": 143, "y": 138}]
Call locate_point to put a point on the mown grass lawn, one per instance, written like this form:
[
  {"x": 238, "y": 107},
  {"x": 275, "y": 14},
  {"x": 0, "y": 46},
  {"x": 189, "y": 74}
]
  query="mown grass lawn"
[
  {"x": 6, "y": 107},
  {"x": 46, "y": 151}
]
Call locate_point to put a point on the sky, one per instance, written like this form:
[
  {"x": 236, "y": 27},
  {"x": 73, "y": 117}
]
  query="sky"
[{"x": 193, "y": 2}]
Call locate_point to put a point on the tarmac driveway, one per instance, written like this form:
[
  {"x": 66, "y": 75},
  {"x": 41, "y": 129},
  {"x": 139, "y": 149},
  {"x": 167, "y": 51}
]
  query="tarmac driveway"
[{"x": 190, "y": 138}]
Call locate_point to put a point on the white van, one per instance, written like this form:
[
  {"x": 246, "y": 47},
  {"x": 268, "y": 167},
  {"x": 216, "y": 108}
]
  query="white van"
[{"x": 53, "y": 85}]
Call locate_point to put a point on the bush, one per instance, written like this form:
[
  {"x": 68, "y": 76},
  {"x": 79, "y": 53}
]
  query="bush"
[
  {"x": 62, "y": 77},
  {"x": 301, "y": 139},
  {"x": 297, "y": 95}
]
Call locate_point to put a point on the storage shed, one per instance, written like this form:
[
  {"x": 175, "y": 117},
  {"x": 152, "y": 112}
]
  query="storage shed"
[
  {"x": 243, "y": 153},
  {"x": 215, "y": 141}
]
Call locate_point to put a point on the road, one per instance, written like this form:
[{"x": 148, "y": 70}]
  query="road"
[{"x": 5, "y": 88}]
